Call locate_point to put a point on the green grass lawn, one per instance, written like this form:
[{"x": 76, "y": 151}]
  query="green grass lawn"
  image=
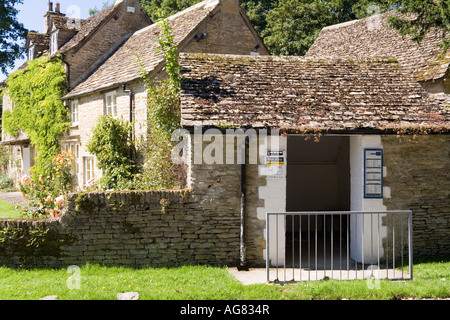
[
  {"x": 6, "y": 210},
  {"x": 431, "y": 280}
]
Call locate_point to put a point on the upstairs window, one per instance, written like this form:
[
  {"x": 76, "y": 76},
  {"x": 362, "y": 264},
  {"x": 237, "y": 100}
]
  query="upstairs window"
[
  {"x": 74, "y": 112},
  {"x": 111, "y": 103},
  {"x": 54, "y": 42}
]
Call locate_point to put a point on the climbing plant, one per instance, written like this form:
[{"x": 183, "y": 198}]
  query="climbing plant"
[
  {"x": 38, "y": 110},
  {"x": 159, "y": 172}
]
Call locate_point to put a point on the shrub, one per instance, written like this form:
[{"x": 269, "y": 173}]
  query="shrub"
[
  {"x": 110, "y": 143},
  {"x": 47, "y": 195}
]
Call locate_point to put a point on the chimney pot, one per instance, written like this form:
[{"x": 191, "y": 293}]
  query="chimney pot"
[
  {"x": 50, "y": 6},
  {"x": 57, "y": 7}
]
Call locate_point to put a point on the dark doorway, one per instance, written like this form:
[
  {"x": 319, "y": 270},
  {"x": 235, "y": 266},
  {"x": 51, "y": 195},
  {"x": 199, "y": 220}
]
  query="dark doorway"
[{"x": 318, "y": 179}]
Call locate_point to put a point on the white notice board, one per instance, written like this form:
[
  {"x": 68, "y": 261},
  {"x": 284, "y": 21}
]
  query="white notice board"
[{"x": 373, "y": 173}]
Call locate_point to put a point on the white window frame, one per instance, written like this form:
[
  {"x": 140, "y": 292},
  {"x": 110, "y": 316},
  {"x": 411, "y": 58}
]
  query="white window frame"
[
  {"x": 111, "y": 103},
  {"x": 54, "y": 42},
  {"x": 31, "y": 53},
  {"x": 74, "y": 112},
  {"x": 88, "y": 169},
  {"x": 74, "y": 148}
]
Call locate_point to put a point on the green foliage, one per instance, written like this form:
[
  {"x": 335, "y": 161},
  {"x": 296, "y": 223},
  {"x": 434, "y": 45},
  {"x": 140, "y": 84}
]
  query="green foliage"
[
  {"x": 38, "y": 109},
  {"x": 95, "y": 10},
  {"x": 164, "y": 115},
  {"x": 47, "y": 194},
  {"x": 110, "y": 143},
  {"x": 290, "y": 27},
  {"x": 160, "y": 9},
  {"x": 5, "y": 155},
  {"x": 11, "y": 32}
]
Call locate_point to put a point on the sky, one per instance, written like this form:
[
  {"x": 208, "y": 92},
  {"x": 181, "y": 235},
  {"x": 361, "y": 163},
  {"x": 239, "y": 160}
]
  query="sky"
[{"x": 31, "y": 14}]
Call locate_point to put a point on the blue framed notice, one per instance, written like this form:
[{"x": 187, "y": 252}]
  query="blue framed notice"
[{"x": 373, "y": 173}]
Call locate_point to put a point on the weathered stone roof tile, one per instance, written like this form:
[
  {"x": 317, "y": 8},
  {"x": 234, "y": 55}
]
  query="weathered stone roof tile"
[
  {"x": 373, "y": 36},
  {"x": 304, "y": 93},
  {"x": 139, "y": 51}
]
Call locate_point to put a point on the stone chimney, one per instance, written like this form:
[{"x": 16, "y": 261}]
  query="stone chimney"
[{"x": 49, "y": 13}]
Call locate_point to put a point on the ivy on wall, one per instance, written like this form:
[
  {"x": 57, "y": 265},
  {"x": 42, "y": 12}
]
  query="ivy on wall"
[{"x": 38, "y": 110}]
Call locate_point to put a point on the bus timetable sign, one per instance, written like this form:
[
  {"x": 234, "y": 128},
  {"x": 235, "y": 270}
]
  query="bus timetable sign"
[
  {"x": 373, "y": 173},
  {"x": 275, "y": 163}
]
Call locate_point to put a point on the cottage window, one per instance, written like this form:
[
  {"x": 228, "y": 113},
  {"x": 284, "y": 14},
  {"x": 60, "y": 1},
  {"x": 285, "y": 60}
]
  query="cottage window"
[
  {"x": 111, "y": 103},
  {"x": 31, "y": 53},
  {"x": 54, "y": 42},
  {"x": 74, "y": 112},
  {"x": 88, "y": 169},
  {"x": 74, "y": 150}
]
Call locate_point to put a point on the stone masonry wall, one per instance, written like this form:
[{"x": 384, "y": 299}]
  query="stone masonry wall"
[
  {"x": 418, "y": 170},
  {"x": 166, "y": 228}
]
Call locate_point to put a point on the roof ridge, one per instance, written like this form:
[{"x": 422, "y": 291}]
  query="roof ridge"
[
  {"x": 176, "y": 15},
  {"x": 78, "y": 37}
]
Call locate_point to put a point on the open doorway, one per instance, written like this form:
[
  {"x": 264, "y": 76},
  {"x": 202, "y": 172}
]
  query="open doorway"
[{"x": 318, "y": 179}]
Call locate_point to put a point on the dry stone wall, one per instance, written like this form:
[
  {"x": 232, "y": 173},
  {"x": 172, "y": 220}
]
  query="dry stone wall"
[
  {"x": 166, "y": 228},
  {"x": 418, "y": 169}
]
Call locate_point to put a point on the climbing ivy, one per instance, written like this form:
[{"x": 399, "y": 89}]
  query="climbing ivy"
[
  {"x": 38, "y": 109},
  {"x": 164, "y": 115}
]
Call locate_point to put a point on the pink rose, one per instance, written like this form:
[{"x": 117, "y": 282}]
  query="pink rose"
[
  {"x": 59, "y": 200},
  {"x": 91, "y": 182},
  {"x": 25, "y": 179}
]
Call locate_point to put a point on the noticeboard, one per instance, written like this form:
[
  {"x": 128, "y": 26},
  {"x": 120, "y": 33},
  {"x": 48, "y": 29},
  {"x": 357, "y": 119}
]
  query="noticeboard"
[
  {"x": 275, "y": 164},
  {"x": 373, "y": 173}
]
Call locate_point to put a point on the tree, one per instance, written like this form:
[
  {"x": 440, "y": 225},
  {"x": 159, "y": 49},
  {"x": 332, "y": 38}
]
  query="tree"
[
  {"x": 290, "y": 27},
  {"x": 11, "y": 32},
  {"x": 428, "y": 14},
  {"x": 95, "y": 10}
]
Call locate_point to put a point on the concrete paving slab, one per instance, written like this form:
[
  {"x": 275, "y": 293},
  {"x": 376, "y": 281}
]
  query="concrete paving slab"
[{"x": 259, "y": 275}]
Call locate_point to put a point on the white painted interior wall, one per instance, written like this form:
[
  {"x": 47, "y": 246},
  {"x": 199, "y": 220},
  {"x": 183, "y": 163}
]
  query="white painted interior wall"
[{"x": 360, "y": 244}]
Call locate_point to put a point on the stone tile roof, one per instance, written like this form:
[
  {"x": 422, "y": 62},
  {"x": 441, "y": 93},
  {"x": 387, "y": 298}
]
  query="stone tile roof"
[
  {"x": 123, "y": 66},
  {"x": 304, "y": 94},
  {"x": 88, "y": 27},
  {"x": 373, "y": 36},
  {"x": 38, "y": 39},
  {"x": 63, "y": 22}
]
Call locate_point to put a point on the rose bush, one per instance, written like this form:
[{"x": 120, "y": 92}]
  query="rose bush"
[{"x": 46, "y": 195}]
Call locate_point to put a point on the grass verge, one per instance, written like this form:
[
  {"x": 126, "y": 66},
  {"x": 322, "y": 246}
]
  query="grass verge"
[
  {"x": 6, "y": 210},
  {"x": 431, "y": 280}
]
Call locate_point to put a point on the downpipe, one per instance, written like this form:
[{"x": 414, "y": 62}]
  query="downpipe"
[{"x": 243, "y": 241}]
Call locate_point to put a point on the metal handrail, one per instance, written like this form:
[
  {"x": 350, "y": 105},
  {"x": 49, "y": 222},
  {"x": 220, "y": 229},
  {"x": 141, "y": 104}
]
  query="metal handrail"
[{"x": 341, "y": 213}]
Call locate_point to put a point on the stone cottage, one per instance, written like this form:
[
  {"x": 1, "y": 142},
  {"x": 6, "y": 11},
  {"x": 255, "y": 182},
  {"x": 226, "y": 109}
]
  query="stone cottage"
[
  {"x": 104, "y": 57},
  {"x": 350, "y": 105}
]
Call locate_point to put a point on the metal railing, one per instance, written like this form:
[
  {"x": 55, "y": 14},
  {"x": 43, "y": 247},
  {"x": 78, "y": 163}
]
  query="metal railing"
[{"x": 344, "y": 245}]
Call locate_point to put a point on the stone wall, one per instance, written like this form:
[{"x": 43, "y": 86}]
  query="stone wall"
[
  {"x": 160, "y": 229},
  {"x": 113, "y": 31},
  {"x": 418, "y": 169}
]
